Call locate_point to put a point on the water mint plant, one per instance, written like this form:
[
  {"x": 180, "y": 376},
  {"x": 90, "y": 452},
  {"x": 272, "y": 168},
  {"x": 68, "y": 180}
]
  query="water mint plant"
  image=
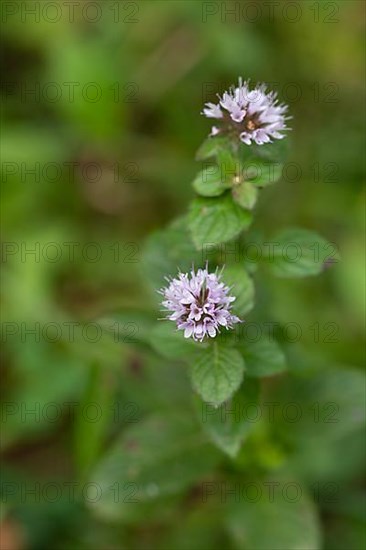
[
  {"x": 198, "y": 274},
  {"x": 206, "y": 306}
]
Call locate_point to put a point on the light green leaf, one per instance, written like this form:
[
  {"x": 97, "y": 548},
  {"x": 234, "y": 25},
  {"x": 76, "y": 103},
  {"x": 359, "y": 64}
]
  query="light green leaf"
[
  {"x": 274, "y": 519},
  {"x": 263, "y": 358},
  {"x": 262, "y": 173},
  {"x": 229, "y": 165},
  {"x": 216, "y": 220},
  {"x": 236, "y": 276},
  {"x": 162, "y": 455},
  {"x": 300, "y": 253},
  {"x": 273, "y": 152},
  {"x": 227, "y": 425},
  {"x": 214, "y": 179},
  {"x": 217, "y": 372},
  {"x": 210, "y": 182},
  {"x": 245, "y": 194},
  {"x": 170, "y": 342},
  {"x": 211, "y": 147}
]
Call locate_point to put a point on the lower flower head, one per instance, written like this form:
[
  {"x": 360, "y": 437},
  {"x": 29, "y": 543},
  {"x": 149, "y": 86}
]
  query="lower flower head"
[
  {"x": 249, "y": 115},
  {"x": 199, "y": 303}
]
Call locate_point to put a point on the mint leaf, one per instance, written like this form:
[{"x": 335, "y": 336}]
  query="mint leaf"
[
  {"x": 217, "y": 372},
  {"x": 162, "y": 455},
  {"x": 227, "y": 425},
  {"x": 277, "y": 151},
  {"x": 263, "y": 358},
  {"x": 211, "y": 147},
  {"x": 245, "y": 194},
  {"x": 170, "y": 342},
  {"x": 300, "y": 253},
  {"x": 262, "y": 173},
  {"x": 216, "y": 220},
  {"x": 210, "y": 182}
]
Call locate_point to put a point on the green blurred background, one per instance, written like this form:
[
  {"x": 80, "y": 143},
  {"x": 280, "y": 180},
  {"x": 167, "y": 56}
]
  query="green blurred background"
[{"x": 100, "y": 123}]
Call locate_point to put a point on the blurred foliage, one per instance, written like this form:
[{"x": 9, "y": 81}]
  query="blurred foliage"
[{"x": 101, "y": 121}]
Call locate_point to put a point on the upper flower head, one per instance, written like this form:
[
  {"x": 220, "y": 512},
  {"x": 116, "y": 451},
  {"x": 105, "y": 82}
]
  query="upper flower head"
[
  {"x": 199, "y": 303},
  {"x": 251, "y": 115}
]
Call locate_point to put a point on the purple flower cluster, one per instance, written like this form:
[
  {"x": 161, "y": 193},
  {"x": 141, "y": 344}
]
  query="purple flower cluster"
[
  {"x": 249, "y": 115},
  {"x": 199, "y": 303}
]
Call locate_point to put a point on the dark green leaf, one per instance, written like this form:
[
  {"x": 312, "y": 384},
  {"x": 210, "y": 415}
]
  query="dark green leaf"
[
  {"x": 170, "y": 342},
  {"x": 162, "y": 455},
  {"x": 228, "y": 425},
  {"x": 263, "y": 358},
  {"x": 300, "y": 253},
  {"x": 216, "y": 220},
  {"x": 217, "y": 372}
]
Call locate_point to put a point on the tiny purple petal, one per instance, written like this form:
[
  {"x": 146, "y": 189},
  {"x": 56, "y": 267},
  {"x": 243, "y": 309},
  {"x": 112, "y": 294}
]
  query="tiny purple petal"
[{"x": 212, "y": 111}]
